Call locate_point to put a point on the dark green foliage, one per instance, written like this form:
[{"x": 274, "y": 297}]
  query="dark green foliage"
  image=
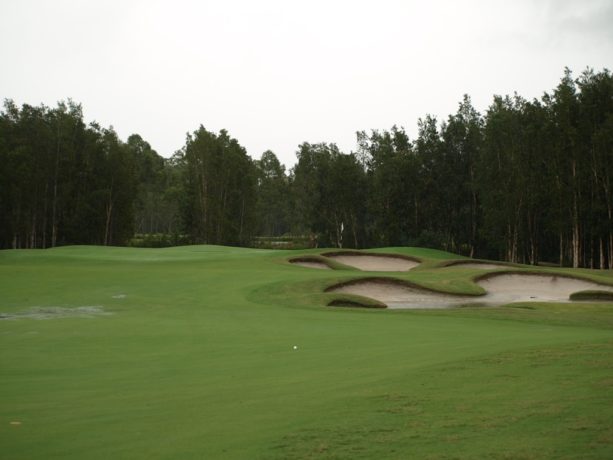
[
  {"x": 273, "y": 196},
  {"x": 528, "y": 181},
  {"x": 158, "y": 182},
  {"x": 328, "y": 189},
  {"x": 393, "y": 196},
  {"x": 219, "y": 189},
  {"x": 62, "y": 181}
]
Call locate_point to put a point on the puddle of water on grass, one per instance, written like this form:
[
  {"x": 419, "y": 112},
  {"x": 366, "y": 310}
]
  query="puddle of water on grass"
[{"x": 89, "y": 311}]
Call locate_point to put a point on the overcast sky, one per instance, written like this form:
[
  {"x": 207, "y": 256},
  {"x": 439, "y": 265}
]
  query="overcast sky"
[{"x": 278, "y": 73}]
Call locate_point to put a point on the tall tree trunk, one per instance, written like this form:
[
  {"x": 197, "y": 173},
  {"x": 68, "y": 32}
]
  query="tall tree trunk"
[
  {"x": 354, "y": 225},
  {"x": 204, "y": 204},
  {"x": 532, "y": 232},
  {"x": 109, "y": 213},
  {"x": 55, "y": 180},
  {"x": 576, "y": 234},
  {"x": 221, "y": 216},
  {"x": 610, "y": 213},
  {"x": 416, "y": 215},
  {"x": 33, "y": 231},
  {"x": 510, "y": 243},
  {"x": 610, "y": 249},
  {"x": 240, "y": 228},
  {"x": 473, "y": 213},
  {"x": 576, "y": 246},
  {"x": 44, "y": 242}
]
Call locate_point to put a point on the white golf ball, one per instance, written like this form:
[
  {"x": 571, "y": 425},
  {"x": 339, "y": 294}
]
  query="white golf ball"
[{"x": 295, "y": 347}]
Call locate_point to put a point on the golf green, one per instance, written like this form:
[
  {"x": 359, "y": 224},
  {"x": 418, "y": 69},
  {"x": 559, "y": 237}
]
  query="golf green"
[{"x": 189, "y": 352}]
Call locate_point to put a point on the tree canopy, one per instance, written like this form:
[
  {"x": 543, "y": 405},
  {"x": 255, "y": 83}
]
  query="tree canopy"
[{"x": 527, "y": 181}]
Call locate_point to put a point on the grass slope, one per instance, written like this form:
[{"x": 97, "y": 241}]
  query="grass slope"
[{"x": 197, "y": 361}]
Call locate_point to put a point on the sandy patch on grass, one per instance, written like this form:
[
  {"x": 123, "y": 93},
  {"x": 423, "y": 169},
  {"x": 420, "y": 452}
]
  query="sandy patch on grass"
[
  {"x": 89, "y": 311},
  {"x": 310, "y": 264},
  {"x": 375, "y": 263},
  {"x": 507, "y": 288}
]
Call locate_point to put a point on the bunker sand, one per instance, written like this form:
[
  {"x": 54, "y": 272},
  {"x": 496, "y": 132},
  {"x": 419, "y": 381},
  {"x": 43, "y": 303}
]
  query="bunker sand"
[
  {"x": 375, "y": 263},
  {"x": 395, "y": 295},
  {"x": 508, "y": 288},
  {"x": 501, "y": 289}
]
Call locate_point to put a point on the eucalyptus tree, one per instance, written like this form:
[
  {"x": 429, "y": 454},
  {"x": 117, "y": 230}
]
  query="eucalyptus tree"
[
  {"x": 62, "y": 182},
  {"x": 429, "y": 148},
  {"x": 565, "y": 112},
  {"x": 273, "y": 196},
  {"x": 308, "y": 187},
  {"x": 393, "y": 186},
  {"x": 500, "y": 181},
  {"x": 328, "y": 188},
  {"x": 346, "y": 186},
  {"x": 219, "y": 189},
  {"x": 151, "y": 206},
  {"x": 595, "y": 133},
  {"x": 462, "y": 137}
]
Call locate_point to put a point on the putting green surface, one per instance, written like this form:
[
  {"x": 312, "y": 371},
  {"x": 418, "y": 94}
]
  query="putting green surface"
[{"x": 196, "y": 360}]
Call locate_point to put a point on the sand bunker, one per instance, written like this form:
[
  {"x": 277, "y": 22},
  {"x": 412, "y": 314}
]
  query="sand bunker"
[
  {"x": 501, "y": 289},
  {"x": 375, "y": 263},
  {"x": 506, "y": 288},
  {"x": 56, "y": 312},
  {"x": 478, "y": 265},
  {"x": 396, "y": 295}
]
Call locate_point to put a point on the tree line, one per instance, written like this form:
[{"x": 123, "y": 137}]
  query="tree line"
[{"x": 527, "y": 181}]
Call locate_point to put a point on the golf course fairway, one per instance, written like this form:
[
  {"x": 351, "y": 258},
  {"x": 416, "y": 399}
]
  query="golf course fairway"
[{"x": 188, "y": 353}]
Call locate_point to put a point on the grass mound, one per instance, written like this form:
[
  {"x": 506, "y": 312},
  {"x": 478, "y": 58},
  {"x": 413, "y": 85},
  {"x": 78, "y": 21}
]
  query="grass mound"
[
  {"x": 592, "y": 295},
  {"x": 311, "y": 262},
  {"x": 355, "y": 302}
]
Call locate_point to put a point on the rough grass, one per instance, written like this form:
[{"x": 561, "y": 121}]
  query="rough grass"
[
  {"x": 197, "y": 361},
  {"x": 592, "y": 295}
]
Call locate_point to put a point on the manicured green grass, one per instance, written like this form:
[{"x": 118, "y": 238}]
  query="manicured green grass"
[{"x": 197, "y": 361}]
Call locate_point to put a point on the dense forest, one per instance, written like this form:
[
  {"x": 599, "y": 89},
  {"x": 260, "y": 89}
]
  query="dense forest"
[{"x": 527, "y": 181}]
